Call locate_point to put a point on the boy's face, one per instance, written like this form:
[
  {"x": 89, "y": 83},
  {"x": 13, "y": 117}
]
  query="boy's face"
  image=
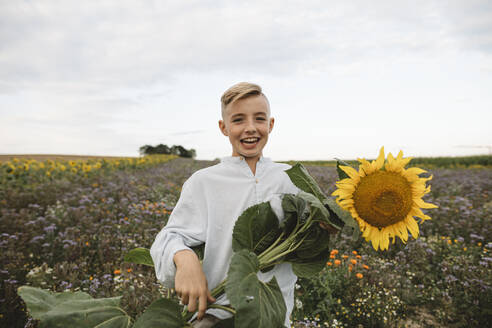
[{"x": 247, "y": 123}]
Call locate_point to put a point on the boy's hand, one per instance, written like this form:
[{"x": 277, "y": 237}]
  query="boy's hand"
[{"x": 190, "y": 282}]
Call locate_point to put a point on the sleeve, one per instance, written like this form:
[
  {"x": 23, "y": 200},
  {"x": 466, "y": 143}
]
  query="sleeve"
[{"x": 186, "y": 228}]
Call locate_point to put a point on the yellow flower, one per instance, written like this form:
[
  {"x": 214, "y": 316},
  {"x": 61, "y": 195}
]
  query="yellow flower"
[{"x": 384, "y": 197}]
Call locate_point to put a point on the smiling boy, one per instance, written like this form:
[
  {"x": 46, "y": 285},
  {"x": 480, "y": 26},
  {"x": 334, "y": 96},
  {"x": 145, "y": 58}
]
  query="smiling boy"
[{"x": 213, "y": 198}]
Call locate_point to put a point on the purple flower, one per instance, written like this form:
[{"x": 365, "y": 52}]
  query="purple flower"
[
  {"x": 475, "y": 236},
  {"x": 50, "y": 228},
  {"x": 37, "y": 238}
]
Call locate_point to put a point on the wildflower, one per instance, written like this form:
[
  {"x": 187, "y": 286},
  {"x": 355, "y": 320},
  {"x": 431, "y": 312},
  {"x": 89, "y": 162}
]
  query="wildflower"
[
  {"x": 354, "y": 252},
  {"x": 358, "y": 257},
  {"x": 129, "y": 270},
  {"x": 384, "y": 202},
  {"x": 465, "y": 249},
  {"x": 86, "y": 243},
  {"x": 334, "y": 252},
  {"x": 90, "y": 278},
  {"x": 117, "y": 271},
  {"x": 345, "y": 257},
  {"x": 365, "y": 267},
  {"x": 332, "y": 256},
  {"x": 329, "y": 263},
  {"x": 354, "y": 262},
  {"x": 337, "y": 262},
  {"x": 350, "y": 268},
  {"x": 450, "y": 241},
  {"x": 359, "y": 275}
]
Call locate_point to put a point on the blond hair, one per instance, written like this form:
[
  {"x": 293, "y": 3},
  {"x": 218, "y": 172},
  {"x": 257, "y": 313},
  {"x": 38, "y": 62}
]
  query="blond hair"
[{"x": 238, "y": 91}]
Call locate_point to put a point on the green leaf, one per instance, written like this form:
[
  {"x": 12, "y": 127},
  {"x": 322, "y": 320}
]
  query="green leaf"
[
  {"x": 342, "y": 214},
  {"x": 161, "y": 313},
  {"x": 294, "y": 212},
  {"x": 70, "y": 309},
  {"x": 301, "y": 179},
  {"x": 256, "y": 229},
  {"x": 310, "y": 269},
  {"x": 139, "y": 256},
  {"x": 318, "y": 210},
  {"x": 316, "y": 241},
  {"x": 341, "y": 174},
  {"x": 257, "y": 304}
]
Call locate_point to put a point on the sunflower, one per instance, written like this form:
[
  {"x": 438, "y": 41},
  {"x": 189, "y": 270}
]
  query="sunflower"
[{"x": 384, "y": 198}]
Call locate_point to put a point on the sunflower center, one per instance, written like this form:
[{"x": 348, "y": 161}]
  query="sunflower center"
[{"x": 383, "y": 198}]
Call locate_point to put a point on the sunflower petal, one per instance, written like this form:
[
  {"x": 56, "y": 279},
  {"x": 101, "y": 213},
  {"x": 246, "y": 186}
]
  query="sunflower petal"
[
  {"x": 379, "y": 162},
  {"x": 413, "y": 227},
  {"x": 422, "y": 204}
]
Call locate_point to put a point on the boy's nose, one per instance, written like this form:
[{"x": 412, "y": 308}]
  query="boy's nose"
[{"x": 250, "y": 126}]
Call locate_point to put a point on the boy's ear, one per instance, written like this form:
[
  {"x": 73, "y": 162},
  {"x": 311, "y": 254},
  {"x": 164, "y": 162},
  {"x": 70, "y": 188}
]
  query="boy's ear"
[
  {"x": 272, "y": 123},
  {"x": 222, "y": 128}
]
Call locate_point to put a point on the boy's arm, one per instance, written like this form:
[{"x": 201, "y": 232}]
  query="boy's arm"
[
  {"x": 186, "y": 228},
  {"x": 176, "y": 265}
]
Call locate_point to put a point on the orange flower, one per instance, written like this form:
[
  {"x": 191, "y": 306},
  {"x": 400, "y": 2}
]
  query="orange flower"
[
  {"x": 329, "y": 263},
  {"x": 129, "y": 270},
  {"x": 365, "y": 267},
  {"x": 125, "y": 218},
  {"x": 117, "y": 271},
  {"x": 337, "y": 262},
  {"x": 334, "y": 252},
  {"x": 345, "y": 257},
  {"x": 359, "y": 275},
  {"x": 358, "y": 256},
  {"x": 354, "y": 252},
  {"x": 86, "y": 243},
  {"x": 350, "y": 267},
  {"x": 354, "y": 262},
  {"x": 450, "y": 241},
  {"x": 332, "y": 256},
  {"x": 90, "y": 278}
]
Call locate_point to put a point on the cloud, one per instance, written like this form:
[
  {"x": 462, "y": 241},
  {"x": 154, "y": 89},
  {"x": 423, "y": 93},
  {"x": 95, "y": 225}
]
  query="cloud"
[
  {"x": 183, "y": 133},
  {"x": 127, "y": 43}
]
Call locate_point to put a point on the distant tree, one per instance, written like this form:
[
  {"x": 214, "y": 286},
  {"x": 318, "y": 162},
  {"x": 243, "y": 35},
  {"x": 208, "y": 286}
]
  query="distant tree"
[
  {"x": 164, "y": 149},
  {"x": 144, "y": 150}
]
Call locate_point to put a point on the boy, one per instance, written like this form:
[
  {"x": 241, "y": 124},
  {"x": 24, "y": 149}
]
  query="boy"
[{"x": 213, "y": 198}]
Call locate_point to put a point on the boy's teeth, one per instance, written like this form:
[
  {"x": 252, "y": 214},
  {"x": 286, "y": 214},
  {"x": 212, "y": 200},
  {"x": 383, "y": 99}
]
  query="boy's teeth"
[{"x": 250, "y": 139}]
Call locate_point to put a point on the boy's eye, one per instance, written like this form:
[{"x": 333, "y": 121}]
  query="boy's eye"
[
  {"x": 237, "y": 120},
  {"x": 261, "y": 118}
]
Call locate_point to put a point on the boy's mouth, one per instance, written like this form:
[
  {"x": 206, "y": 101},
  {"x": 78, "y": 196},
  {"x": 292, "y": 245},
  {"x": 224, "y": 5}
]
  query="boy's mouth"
[{"x": 250, "y": 141}]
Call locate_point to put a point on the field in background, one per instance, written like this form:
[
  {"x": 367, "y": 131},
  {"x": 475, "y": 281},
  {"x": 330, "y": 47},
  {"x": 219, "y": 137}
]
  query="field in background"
[
  {"x": 426, "y": 162},
  {"x": 67, "y": 224},
  {"x": 44, "y": 157},
  {"x": 429, "y": 162}
]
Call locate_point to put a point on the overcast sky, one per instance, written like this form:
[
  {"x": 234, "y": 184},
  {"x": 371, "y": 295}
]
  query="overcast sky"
[{"x": 343, "y": 77}]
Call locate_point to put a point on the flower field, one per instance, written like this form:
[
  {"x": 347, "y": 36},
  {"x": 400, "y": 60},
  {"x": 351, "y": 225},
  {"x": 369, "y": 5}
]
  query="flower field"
[{"x": 66, "y": 225}]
